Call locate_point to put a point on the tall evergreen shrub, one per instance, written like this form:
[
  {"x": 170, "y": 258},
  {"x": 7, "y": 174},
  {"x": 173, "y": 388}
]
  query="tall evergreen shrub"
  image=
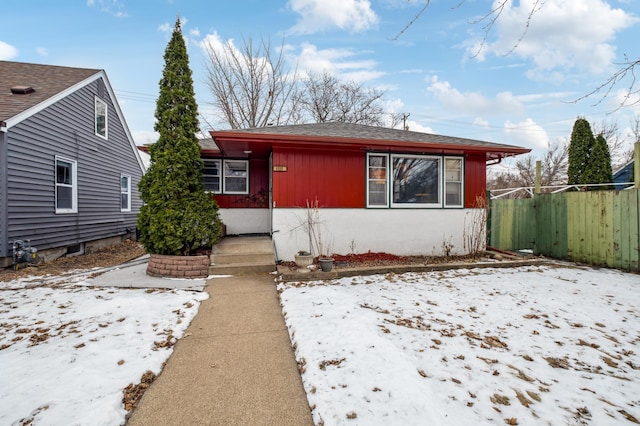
[
  {"x": 581, "y": 144},
  {"x": 600, "y": 162},
  {"x": 178, "y": 216}
]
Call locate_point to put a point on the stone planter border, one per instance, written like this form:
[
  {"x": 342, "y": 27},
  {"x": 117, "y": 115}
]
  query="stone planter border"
[{"x": 178, "y": 266}]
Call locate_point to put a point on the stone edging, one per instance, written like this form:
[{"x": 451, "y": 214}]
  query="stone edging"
[
  {"x": 178, "y": 266},
  {"x": 401, "y": 269}
]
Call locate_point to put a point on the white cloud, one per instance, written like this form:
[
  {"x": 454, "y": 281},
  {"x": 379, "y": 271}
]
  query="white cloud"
[
  {"x": 563, "y": 35},
  {"x": 145, "y": 137},
  {"x": 165, "y": 28},
  {"x": 321, "y": 15},
  {"x": 194, "y": 32},
  {"x": 339, "y": 62},
  {"x": 42, "y": 51},
  {"x": 481, "y": 122},
  {"x": 116, "y": 8},
  {"x": 7, "y": 51},
  {"x": 414, "y": 126},
  {"x": 473, "y": 103},
  {"x": 527, "y": 133}
]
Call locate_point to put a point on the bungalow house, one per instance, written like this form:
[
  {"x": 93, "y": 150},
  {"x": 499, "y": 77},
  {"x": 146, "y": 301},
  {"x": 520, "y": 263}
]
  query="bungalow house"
[
  {"x": 69, "y": 168},
  {"x": 377, "y": 189}
]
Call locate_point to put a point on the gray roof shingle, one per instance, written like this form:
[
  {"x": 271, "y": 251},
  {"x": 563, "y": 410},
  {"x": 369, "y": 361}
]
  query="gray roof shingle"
[{"x": 360, "y": 131}]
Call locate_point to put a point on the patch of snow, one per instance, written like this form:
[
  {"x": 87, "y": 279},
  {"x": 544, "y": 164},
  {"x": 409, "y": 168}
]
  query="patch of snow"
[
  {"x": 528, "y": 346},
  {"x": 68, "y": 352}
]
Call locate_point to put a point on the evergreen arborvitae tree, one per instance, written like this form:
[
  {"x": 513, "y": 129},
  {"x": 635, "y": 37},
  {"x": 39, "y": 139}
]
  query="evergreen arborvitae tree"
[
  {"x": 178, "y": 216},
  {"x": 599, "y": 165},
  {"x": 580, "y": 147}
]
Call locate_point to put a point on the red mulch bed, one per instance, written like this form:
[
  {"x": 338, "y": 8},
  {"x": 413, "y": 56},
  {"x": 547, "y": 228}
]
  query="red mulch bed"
[{"x": 356, "y": 260}]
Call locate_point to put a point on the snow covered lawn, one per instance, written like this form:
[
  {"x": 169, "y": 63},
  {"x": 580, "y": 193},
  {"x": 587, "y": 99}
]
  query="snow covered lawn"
[
  {"x": 527, "y": 346},
  {"x": 67, "y": 353}
]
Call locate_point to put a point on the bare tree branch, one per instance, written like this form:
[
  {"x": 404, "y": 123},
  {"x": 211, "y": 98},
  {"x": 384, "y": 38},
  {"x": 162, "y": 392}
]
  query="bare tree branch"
[
  {"x": 251, "y": 86},
  {"x": 632, "y": 95},
  {"x": 415, "y": 18},
  {"x": 325, "y": 98}
]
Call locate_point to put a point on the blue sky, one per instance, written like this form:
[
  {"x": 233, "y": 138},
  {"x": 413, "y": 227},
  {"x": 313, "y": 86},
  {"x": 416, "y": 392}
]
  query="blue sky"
[{"x": 433, "y": 71}]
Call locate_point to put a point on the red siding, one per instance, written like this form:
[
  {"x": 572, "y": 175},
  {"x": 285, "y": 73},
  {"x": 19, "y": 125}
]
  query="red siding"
[
  {"x": 475, "y": 181},
  {"x": 258, "y": 196},
  {"x": 335, "y": 178}
]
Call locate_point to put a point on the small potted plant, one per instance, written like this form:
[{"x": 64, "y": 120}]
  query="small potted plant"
[
  {"x": 326, "y": 263},
  {"x": 304, "y": 259}
]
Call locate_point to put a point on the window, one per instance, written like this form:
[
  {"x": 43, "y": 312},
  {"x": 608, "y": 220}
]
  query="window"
[
  {"x": 101, "y": 118},
  {"x": 212, "y": 175},
  {"x": 125, "y": 193},
  {"x": 453, "y": 182},
  {"x": 414, "y": 181},
  {"x": 236, "y": 177},
  {"x": 377, "y": 180},
  {"x": 66, "y": 186}
]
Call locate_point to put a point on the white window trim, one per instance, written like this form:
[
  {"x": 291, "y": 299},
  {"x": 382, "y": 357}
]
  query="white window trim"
[
  {"x": 220, "y": 165},
  {"x": 224, "y": 179},
  {"x": 74, "y": 185},
  {"x": 462, "y": 194},
  {"x": 386, "y": 162},
  {"x": 128, "y": 208},
  {"x": 438, "y": 204},
  {"x": 106, "y": 118}
]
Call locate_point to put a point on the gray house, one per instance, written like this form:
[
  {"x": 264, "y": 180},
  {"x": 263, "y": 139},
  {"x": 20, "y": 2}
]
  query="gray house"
[{"x": 69, "y": 168}]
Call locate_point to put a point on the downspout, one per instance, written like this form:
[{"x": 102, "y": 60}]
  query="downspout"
[{"x": 3, "y": 190}]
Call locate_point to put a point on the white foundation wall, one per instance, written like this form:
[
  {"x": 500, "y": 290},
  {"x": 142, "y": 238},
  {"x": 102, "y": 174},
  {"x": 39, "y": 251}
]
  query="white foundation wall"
[
  {"x": 401, "y": 232},
  {"x": 246, "y": 221}
]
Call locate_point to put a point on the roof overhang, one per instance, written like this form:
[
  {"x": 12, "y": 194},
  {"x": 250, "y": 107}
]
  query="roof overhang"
[{"x": 253, "y": 144}]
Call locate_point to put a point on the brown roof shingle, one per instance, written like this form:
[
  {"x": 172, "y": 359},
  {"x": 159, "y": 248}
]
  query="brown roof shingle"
[{"x": 46, "y": 80}]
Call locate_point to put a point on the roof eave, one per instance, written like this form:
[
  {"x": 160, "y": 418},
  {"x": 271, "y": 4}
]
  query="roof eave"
[{"x": 222, "y": 138}]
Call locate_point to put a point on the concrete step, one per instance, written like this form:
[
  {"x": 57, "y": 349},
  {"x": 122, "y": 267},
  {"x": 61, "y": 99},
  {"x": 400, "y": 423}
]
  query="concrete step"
[
  {"x": 242, "y": 268},
  {"x": 243, "y": 256},
  {"x": 233, "y": 258}
]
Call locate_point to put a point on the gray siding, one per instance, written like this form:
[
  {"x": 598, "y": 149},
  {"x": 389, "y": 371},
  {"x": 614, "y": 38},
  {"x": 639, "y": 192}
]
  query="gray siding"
[{"x": 66, "y": 129}]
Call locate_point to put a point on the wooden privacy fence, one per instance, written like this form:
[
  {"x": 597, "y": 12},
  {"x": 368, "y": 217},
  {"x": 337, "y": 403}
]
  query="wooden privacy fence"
[{"x": 596, "y": 227}]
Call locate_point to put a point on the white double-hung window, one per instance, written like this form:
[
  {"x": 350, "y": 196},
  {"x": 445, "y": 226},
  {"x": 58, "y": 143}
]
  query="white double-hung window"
[
  {"x": 125, "y": 193},
  {"x": 66, "y": 185},
  {"x": 453, "y": 182},
  {"x": 377, "y": 180},
  {"x": 212, "y": 175},
  {"x": 101, "y": 118},
  {"x": 236, "y": 177}
]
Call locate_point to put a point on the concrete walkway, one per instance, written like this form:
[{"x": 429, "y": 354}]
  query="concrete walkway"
[{"x": 235, "y": 365}]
